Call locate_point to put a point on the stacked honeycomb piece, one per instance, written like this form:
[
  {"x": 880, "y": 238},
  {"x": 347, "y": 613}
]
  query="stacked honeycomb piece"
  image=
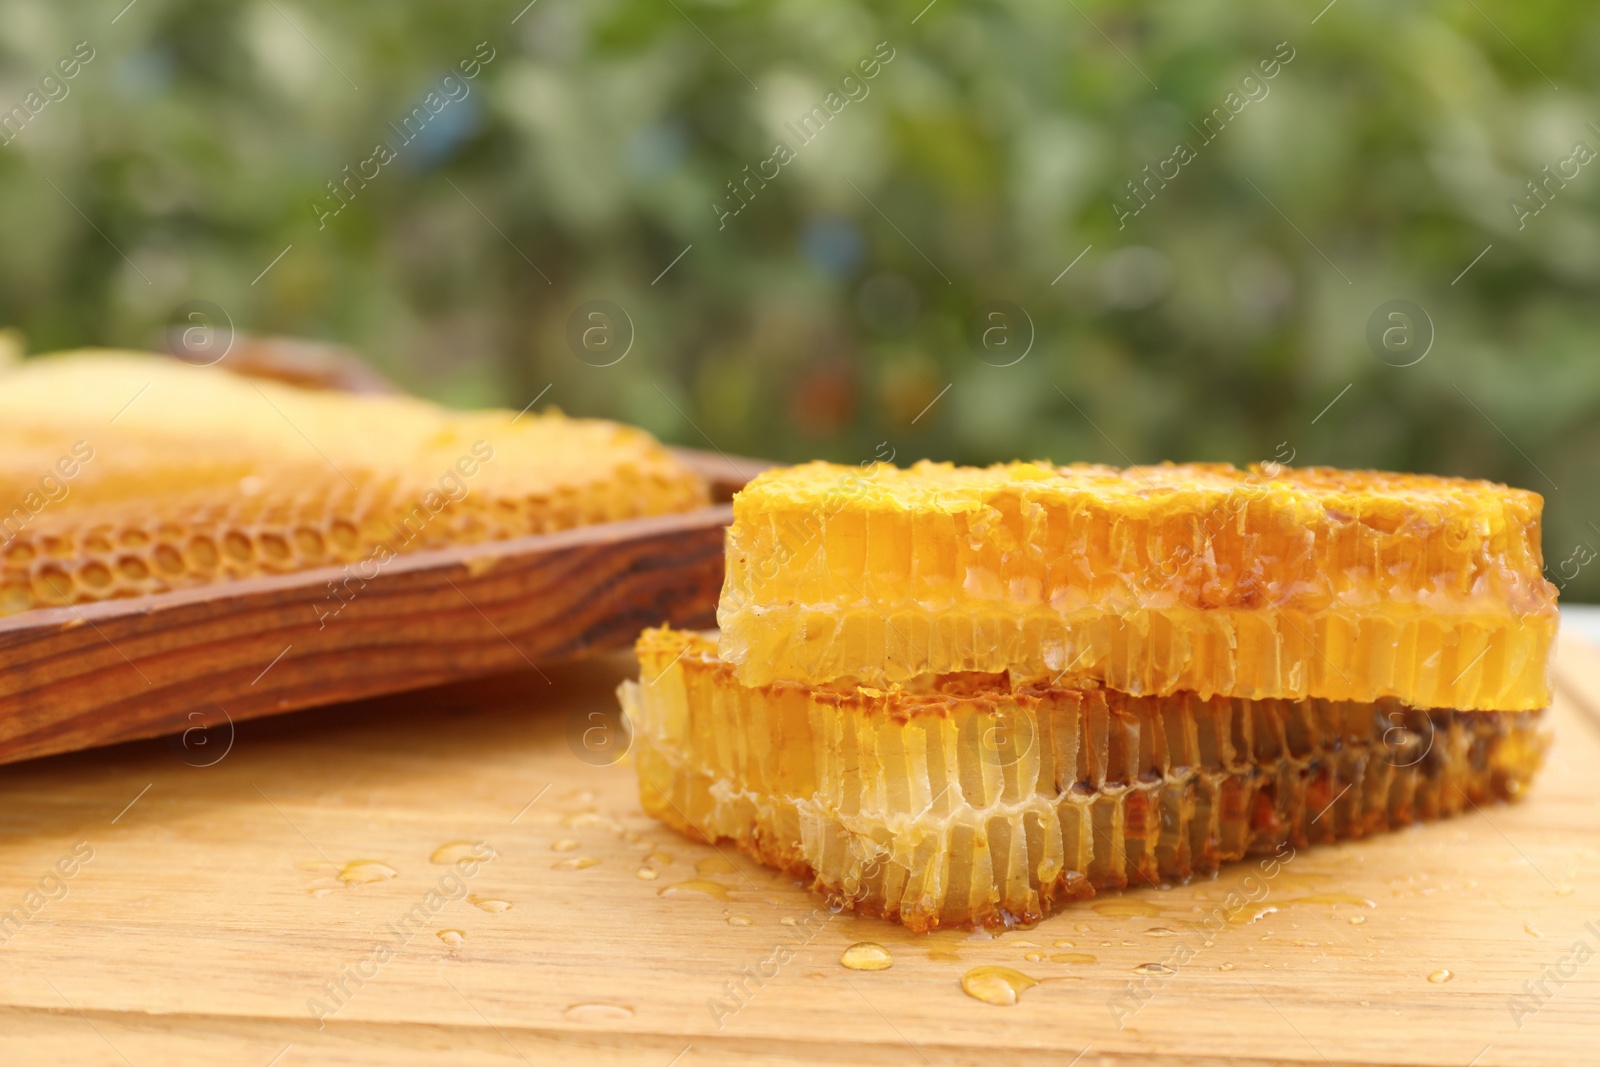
[
  {"x": 123, "y": 474},
  {"x": 958, "y": 696}
]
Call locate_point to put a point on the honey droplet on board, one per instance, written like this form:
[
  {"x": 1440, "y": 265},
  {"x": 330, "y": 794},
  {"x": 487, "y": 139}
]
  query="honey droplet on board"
[
  {"x": 1126, "y": 908},
  {"x": 948, "y": 955},
  {"x": 365, "y": 872},
  {"x": 453, "y": 938},
  {"x": 1227, "y": 967},
  {"x": 713, "y": 865},
  {"x": 647, "y": 873},
  {"x": 576, "y": 863},
  {"x": 1160, "y": 931},
  {"x": 1249, "y": 913},
  {"x": 492, "y": 905},
  {"x": 598, "y": 1013},
  {"x": 696, "y": 885},
  {"x": 1563, "y": 890},
  {"x": 1357, "y": 920},
  {"x": 1082, "y": 928},
  {"x": 1065, "y": 944},
  {"x": 1531, "y": 930},
  {"x": 456, "y": 851},
  {"x": 788, "y": 921},
  {"x": 1034, "y": 957},
  {"x": 866, "y": 956},
  {"x": 660, "y": 859},
  {"x": 1072, "y": 957},
  {"x": 996, "y": 985},
  {"x": 738, "y": 920},
  {"x": 1441, "y": 976},
  {"x": 1333, "y": 898},
  {"x": 1153, "y": 968},
  {"x": 566, "y": 844}
]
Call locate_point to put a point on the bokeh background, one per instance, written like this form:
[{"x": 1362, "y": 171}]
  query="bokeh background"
[{"x": 842, "y": 312}]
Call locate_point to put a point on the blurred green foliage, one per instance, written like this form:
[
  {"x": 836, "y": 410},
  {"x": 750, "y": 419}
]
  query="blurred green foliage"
[{"x": 837, "y": 306}]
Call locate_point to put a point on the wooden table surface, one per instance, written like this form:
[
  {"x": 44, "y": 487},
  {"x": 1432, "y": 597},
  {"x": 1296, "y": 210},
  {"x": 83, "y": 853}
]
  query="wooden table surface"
[{"x": 203, "y": 918}]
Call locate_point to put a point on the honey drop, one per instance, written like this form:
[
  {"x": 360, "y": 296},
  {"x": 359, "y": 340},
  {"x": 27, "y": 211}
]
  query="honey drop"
[
  {"x": 365, "y": 872},
  {"x": 1126, "y": 908},
  {"x": 489, "y": 904},
  {"x": 696, "y": 885},
  {"x": 456, "y": 851},
  {"x": 996, "y": 985},
  {"x": 866, "y": 956}
]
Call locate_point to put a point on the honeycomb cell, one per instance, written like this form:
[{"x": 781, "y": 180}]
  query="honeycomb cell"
[
  {"x": 344, "y": 537},
  {"x": 971, "y": 800},
  {"x": 274, "y": 549},
  {"x": 95, "y": 576},
  {"x": 168, "y": 560},
  {"x": 52, "y": 585},
  {"x": 238, "y": 548},
  {"x": 203, "y": 553},
  {"x": 309, "y": 543}
]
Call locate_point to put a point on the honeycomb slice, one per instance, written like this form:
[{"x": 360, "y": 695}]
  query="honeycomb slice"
[
  {"x": 124, "y": 474},
  {"x": 1267, "y": 583},
  {"x": 968, "y": 801}
]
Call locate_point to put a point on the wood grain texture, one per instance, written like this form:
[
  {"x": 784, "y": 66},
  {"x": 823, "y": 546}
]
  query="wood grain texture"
[
  {"x": 76, "y": 677},
  {"x": 208, "y": 918}
]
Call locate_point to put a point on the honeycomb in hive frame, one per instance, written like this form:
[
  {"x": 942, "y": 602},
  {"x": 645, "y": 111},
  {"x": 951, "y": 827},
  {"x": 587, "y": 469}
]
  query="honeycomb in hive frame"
[
  {"x": 969, "y": 802},
  {"x": 205, "y": 476},
  {"x": 1202, "y": 578}
]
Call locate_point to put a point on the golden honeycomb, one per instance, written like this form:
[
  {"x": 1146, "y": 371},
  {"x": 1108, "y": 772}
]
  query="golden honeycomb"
[
  {"x": 124, "y": 474},
  {"x": 1203, "y": 578},
  {"x": 965, "y": 799}
]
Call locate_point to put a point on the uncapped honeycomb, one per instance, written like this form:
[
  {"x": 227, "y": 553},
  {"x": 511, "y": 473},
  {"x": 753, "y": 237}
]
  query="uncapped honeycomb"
[
  {"x": 968, "y": 800},
  {"x": 1266, "y": 583},
  {"x": 124, "y": 474}
]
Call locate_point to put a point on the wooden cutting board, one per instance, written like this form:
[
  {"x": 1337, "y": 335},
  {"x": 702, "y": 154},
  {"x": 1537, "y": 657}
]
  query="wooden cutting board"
[{"x": 211, "y": 918}]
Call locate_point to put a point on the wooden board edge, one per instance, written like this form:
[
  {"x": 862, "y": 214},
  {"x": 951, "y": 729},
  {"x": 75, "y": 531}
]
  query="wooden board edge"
[{"x": 116, "y": 671}]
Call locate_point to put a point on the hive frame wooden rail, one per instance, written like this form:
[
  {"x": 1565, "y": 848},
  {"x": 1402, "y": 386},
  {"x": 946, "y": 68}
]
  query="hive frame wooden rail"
[{"x": 119, "y": 670}]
